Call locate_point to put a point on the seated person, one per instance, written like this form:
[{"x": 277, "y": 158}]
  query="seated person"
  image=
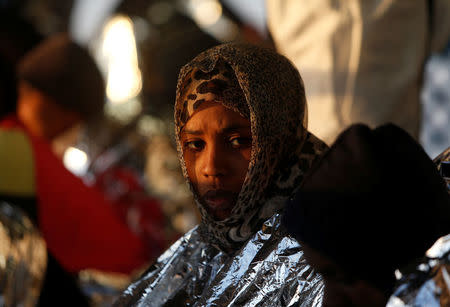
[
  {"x": 374, "y": 203},
  {"x": 244, "y": 148},
  {"x": 59, "y": 86}
]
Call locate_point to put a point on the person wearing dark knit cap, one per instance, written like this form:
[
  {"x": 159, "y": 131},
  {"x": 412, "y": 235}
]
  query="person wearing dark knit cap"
[
  {"x": 60, "y": 85},
  {"x": 61, "y": 77},
  {"x": 374, "y": 203}
]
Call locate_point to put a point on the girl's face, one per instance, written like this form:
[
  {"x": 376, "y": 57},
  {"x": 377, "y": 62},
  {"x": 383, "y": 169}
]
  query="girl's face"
[{"x": 217, "y": 145}]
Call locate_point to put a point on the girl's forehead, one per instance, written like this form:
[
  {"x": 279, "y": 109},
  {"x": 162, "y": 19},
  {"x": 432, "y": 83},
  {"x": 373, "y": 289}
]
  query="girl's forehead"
[{"x": 213, "y": 116}]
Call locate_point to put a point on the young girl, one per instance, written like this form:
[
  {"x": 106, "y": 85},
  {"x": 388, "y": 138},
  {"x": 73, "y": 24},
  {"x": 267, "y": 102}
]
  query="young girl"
[{"x": 240, "y": 123}]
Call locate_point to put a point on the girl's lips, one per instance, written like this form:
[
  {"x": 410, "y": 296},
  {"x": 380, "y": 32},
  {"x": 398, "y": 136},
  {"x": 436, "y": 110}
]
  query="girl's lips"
[{"x": 219, "y": 202}]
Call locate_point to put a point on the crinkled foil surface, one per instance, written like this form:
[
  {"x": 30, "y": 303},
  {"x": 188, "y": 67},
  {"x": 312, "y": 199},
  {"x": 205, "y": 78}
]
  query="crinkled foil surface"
[
  {"x": 269, "y": 270},
  {"x": 23, "y": 259}
]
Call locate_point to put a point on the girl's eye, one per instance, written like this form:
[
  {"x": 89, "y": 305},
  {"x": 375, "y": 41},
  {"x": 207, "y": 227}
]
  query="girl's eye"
[
  {"x": 240, "y": 142},
  {"x": 194, "y": 145}
]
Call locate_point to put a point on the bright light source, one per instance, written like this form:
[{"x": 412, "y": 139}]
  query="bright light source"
[
  {"x": 76, "y": 161},
  {"x": 209, "y": 17},
  {"x": 206, "y": 12},
  {"x": 119, "y": 47},
  {"x": 124, "y": 83}
]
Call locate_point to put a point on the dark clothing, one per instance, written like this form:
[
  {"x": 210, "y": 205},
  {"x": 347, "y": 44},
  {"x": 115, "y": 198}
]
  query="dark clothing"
[{"x": 373, "y": 203}]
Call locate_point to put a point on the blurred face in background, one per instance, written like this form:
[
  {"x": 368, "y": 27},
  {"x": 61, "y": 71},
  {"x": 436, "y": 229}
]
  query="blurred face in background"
[
  {"x": 43, "y": 116},
  {"x": 217, "y": 145}
]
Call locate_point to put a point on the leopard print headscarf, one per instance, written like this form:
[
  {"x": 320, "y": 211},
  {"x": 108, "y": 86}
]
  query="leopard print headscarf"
[
  {"x": 272, "y": 96},
  {"x": 218, "y": 85}
]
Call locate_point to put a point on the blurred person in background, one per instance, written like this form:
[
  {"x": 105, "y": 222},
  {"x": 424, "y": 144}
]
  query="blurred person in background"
[
  {"x": 244, "y": 148},
  {"x": 374, "y": 203},
  {"x": 59, "y": 85},
  {"x": 362, "y": 60}
]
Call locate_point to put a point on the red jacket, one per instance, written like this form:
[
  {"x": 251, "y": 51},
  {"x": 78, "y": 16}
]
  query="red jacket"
[{"x": 77, "y": 222}]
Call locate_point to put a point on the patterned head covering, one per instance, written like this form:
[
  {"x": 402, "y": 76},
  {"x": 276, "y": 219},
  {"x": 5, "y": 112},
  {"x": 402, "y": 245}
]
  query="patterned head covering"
[
  {"x": 264, "y": 87},
  {"x": 220, "y": 85}
]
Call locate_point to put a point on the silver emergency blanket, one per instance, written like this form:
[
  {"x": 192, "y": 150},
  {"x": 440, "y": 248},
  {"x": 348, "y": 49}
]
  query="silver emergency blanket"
[
  {"x": 269, "y": 270},
  {"x": 23, "y": 258}
]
